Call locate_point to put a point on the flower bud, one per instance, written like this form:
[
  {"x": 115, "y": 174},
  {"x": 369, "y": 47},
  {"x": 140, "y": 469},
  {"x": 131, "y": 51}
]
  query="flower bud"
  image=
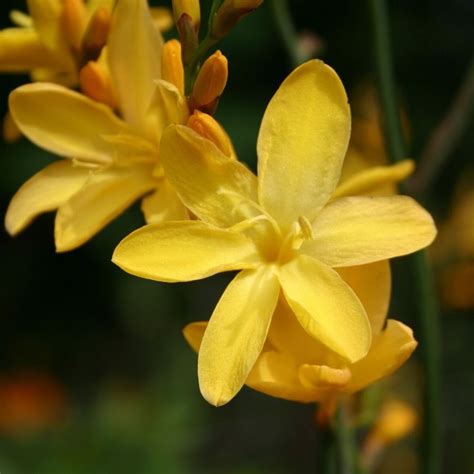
[
  {"x": 229, "y": 14},
  {"x": 11, "y": 132},
  {"x": 95, "y": 83},
  {"x": 209, "y": 128},
  {"x": 96, "y": 34},
  {"x": 73, "y": 18},
  {"x": 191, "y": 8},
  {"x": 210, "y": 82},
  {"x": 172, "y": 65}
]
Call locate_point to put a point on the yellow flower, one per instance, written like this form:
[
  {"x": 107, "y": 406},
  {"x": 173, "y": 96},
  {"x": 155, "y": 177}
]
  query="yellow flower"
[
  {"x": 115, "y": 160},
  {"x": 281, "y": 230}
]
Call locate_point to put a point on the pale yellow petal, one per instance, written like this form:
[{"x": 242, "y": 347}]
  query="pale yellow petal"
[
  {"x": 168, "y": 106},
  {"x": 163, "y": 205},
  {"x": 276, "y": 374},
  {"x": 375, "y": 181},
  {"x": 372, "y": 283},
  {"x": 390, "y": 349},
  {"x": 183, "y": 251},
  {"x": 45, "y": 191},
  {"x": 21, "y": 51},
  {"x": 134, "y": 48},
  {"x": 46, "y": 16},
  {"x": 65, "y": 122},
  {"x": 236, "y": 334},
  {"x": 326, "y": 307},
  {"x": 322, "y": 376},
  {"x": 358, "y": 230},
  {"x": 302, "y": 142},
  {"x": 215, "y": 187},
  {"x": 104, "y": 196}
]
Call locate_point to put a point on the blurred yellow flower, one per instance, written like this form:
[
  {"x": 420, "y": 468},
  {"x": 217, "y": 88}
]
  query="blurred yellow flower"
[
  {"x": 115, "y": 161},
  {"x": 281, "y": 229},
  {"x": 453, "y": 253}
]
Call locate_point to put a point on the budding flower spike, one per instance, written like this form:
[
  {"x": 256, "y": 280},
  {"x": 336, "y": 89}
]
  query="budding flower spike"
[
  {"x": 112, "y": 159},
  {"x": 281, "y": 229}
]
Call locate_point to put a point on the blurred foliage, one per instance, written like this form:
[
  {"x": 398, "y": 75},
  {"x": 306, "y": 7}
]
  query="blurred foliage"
[{"x": 113, "y": 342}]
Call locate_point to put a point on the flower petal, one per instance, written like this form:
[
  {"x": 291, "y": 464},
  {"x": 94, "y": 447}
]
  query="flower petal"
[
  {"x": 372, "y": 283},
  {"x": 168, "y": 106},
  {"x": 21, "y": 50},
  {"x": 375, "y": 181},
  {"x": 183, "y": 251},
  {"x": 390, "y": 349},
  {"x": 236, "y": 334},
  {"x": 134, "y": 48},
  {"x": 46, "y": 15},
  {"x": 163, "y": 205},
  {"x": 104, "y": 196},
  {"x": 302, "y": 142},
  {"x": 326, "y": 307},
  {"x": 194, "y": 332},
  {"x": 217, "y": 188},
  {"x": 65, "y": 122},
  {"x": 44, "y": 192},
  {"x": 357, "y": 230}
]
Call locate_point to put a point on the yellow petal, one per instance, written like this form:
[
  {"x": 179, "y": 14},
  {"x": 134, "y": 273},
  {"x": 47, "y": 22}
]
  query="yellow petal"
[
  {"x": 357, "y": 230},
  {"x": 21, "y": 50},
  {"x": 163, "y": 205},
  {"x": 326, "y": 307},
  {"x": 372, "y": 284},
  {"x": 302, "y": 142},
  {"x": 276, "y": 374},
  {"x": 45, "y": 191},
  {"x": 134, "y": 58},
  {"x": 183, "y": 251},
  {"x": 73, "y": 125},
  {"x": 104, "y": 196},
  {"x": 172, "y": 69},
  {"x": 236, "y": 334},
  {"x": 11, "y": 132},
  {"x": 390, "y": 349},
  {"x": 375, "y": 181},
  {"x": 322, "y": 376},
  {"x": 194, "y": 332},
  {"x": 162, "y": 17},
  {"x": 47, "y": 21},
  {"x": 215, "y": 187},
  {"x": 168, "y": 106}
]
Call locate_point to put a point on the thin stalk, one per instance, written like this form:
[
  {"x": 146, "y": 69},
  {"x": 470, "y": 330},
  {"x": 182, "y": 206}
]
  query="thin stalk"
[
  {"x": 286, "y": 30},
  {"x": 428, "y": 313}
]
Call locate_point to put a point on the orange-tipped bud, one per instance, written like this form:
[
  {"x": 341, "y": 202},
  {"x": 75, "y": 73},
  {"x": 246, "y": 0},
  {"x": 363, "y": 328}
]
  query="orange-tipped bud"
[
  {"x": 211, "y": 81},
  {"x": 229, "y": 14},
  {"x": 191, "y": 8},
  {"x": 96, "y": 34},
  {"x": 172, "y": 65},
  {"x": 95, "y": 83},
  {"x": 73, "y": 19},
  {"x": 209, "y": 128},
  {"x": 11, "y": 132}
]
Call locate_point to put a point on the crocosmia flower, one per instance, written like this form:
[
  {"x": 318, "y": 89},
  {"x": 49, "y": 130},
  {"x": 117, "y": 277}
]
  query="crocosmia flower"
[
  {"x": 283, "y": 231},
  {"x": 112, "y": 156}
]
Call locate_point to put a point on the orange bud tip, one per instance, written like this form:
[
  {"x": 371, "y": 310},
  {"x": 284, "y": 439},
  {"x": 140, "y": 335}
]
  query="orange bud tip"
[
  {"x": 96, "y": 34},
  {"x": 73, "y": 19},
  {"x": 95, "y": 83},
  {"x": 171, "y": 64}
]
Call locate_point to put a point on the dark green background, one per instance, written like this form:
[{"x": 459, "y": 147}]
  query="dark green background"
[{"x": 115, "y": 341}]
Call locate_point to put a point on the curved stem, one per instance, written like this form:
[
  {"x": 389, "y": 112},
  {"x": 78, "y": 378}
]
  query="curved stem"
[
  {"x": 428, "y": 313},
  {"x": 286, "y": 29}
]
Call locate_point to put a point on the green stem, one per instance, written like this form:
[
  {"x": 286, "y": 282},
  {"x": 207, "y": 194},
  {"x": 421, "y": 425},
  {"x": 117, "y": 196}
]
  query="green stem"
[
  {"x": 286, "y": 30},
  {"x": 428, "y": 313},
  {"x": 191, "y": 69},
  {"x": 345, "y": 442}
]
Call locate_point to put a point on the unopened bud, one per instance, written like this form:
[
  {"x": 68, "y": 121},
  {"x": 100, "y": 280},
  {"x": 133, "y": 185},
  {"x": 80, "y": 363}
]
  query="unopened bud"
[
  {"x": 191, "y": 8},
  {"x": 188, "y": 37},
  {"x": 229, "y": 14},
  {"x": 172, "y": 65},
  {"x": 210, "y": 82},
  {"x": 96, "y": 34},
  {"x": 73, "y": 19},
  {"x": 162, "y": 18},
  {"x": 209, "y": 128},
  {"x": 95, "y": 83}
]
